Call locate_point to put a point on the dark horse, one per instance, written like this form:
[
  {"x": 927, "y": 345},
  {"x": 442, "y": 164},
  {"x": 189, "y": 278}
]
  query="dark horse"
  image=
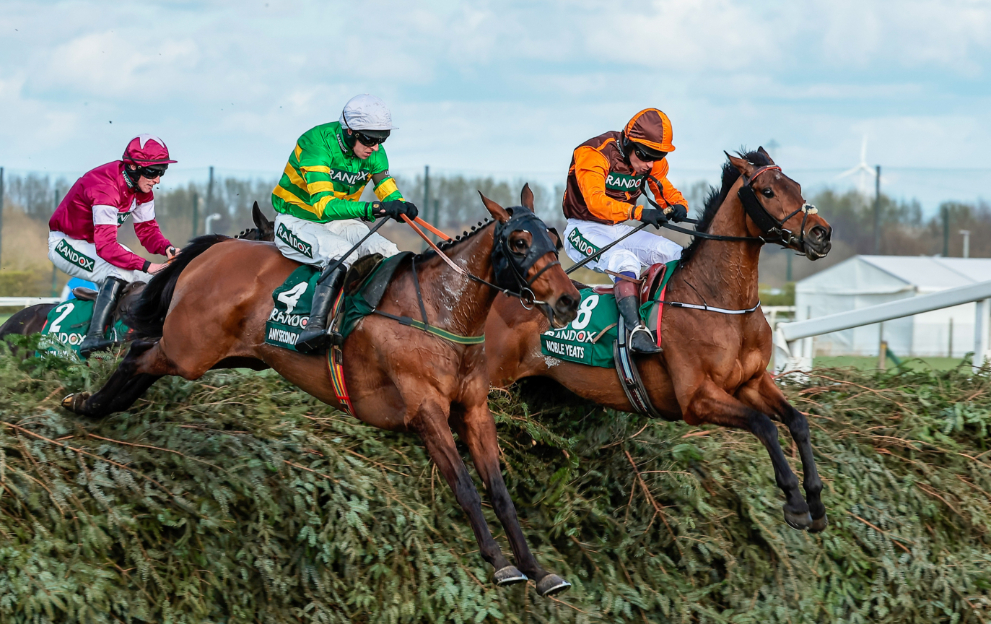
[
  {"x": 31, "y": 319},
  {"x": 209, "y": 307},
  {"x": 714, "y": 366}
]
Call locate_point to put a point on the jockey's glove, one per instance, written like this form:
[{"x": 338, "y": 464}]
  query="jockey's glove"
[
  {"x": 395, "y": 209},
  {"x": 653, "y": 216},
  {"x": 678, "y": 213}
]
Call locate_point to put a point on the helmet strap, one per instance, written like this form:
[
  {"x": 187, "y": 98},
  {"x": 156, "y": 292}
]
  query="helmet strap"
[{"x": 130, "y": 177}]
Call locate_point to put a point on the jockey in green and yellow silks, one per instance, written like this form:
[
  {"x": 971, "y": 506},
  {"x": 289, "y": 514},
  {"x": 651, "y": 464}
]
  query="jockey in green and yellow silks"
[{"x": 317, "y": 200}]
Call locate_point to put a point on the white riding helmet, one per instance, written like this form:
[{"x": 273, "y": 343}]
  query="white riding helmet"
[{"x": 367, "y": 112}]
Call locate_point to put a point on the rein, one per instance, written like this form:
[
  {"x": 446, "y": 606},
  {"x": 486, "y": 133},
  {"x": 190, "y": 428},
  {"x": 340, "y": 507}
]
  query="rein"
[{"x": 527, "y": 299}]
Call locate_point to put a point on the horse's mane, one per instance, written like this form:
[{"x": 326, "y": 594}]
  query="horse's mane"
[
  {"x": 457, "y": 240},
  {"x": 715, "y": 198}
]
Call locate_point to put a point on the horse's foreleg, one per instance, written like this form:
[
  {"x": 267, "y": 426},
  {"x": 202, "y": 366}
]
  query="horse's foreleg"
[
  {"x": 711, "y": 404},
  {"x": 477, "y": 429},
  {"x": 766, "y": 396},
  {"x": 431, "y": 423}
]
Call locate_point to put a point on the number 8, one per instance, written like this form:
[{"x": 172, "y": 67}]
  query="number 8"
[{"x": 585, "y": 312}]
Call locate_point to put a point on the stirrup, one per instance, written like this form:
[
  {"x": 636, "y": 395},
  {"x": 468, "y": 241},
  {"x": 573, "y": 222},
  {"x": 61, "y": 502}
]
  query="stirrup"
[{"x": 650, "y": 337}]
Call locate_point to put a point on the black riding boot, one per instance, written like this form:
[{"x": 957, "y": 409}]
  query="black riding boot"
[
  {"x": 103, "y": 307},
  {"x": 629, "y": 306},
  {"x": 314, "y": 338}
]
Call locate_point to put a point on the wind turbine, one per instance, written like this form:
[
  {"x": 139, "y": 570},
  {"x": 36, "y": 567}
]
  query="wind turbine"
[{"x": 864, "y": 172}]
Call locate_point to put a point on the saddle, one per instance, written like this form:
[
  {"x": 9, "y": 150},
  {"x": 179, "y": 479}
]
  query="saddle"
[{"x": 128, "y": 297}]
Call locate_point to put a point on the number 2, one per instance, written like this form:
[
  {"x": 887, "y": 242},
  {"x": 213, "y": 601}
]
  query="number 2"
[{"x": 56, "y": 324}]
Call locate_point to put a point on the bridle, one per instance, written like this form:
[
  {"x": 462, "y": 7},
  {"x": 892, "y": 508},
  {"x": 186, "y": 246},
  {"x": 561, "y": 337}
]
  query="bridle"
[
  {"x": 772, "y": 230},
  {"x": 511, "y": 267}
]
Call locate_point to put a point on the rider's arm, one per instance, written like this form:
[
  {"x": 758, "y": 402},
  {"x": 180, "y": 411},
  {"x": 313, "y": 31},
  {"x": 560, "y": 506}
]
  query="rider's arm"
[
  {"x": 667, "y": 194},
  {"x": 105, "y": 238},
  {"x": 325, "y": 203},
  {"x": 591, "y": 169},
  {"x": 385, "y": 187},
  {"x": 146, "y": 227}
]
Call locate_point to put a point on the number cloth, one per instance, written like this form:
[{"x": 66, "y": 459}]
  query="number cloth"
[
  {"x": 66, "y": 327},
  {"x": 323, "y": 179},
  {"x": 589, "y": 338},
  {"x": 98, "y": 204}
]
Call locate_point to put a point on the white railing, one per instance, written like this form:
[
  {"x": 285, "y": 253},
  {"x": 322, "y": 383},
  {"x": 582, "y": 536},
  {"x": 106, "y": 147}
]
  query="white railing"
[
  {"x": 793, "y": 352},
  {"x": 24, "y": 302},
  {"x": 771, "y": 313}
]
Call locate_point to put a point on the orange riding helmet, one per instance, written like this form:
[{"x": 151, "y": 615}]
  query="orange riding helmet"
[{"x": 650, "y": 129}]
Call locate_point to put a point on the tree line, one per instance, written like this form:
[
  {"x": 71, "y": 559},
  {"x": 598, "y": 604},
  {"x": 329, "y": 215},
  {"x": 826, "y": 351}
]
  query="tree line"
[{"x": 454, "y": 202}]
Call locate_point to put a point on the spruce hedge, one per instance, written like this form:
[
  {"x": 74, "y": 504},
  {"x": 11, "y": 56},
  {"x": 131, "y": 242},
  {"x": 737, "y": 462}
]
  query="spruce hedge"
[{"x": 238, "y": 498}]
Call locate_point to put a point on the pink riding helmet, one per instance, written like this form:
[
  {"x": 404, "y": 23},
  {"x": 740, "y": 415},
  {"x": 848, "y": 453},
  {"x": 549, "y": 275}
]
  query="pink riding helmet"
[{"x": 147, "y": 149}]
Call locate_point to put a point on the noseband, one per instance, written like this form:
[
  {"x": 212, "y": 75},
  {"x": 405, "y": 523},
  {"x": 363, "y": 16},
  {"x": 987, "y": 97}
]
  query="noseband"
[{"x": 772, "y": 229}]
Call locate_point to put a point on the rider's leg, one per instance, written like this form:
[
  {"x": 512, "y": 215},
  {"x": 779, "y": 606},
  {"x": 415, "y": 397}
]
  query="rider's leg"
[
  {"x": 624, "y": 262},
  {"x": 319, "y": 244},
  {"x": 650, "y": 248},
  {"x": 314, "y": 338},
  {"x": 103, "y": 307},
  {"x": 354, "y": 230}
]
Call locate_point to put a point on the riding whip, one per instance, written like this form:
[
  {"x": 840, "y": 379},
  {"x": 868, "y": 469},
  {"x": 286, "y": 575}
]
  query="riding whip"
[
  {"x": 336, "y": 263},
  {"x": 606, "y": 248}
]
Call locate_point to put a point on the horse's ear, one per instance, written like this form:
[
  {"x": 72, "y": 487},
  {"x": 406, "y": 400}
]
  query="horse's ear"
[
  {"x": 526, "y": 197},
  {"x": 258, "y": 217},
  {"x": 498, "y": 212},
  {"x": 741, "y": 164},
  {"x": 766, "y": 155}
]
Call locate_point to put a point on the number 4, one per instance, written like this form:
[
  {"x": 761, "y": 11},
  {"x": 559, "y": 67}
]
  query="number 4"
[{"x": 291, "y": 296}]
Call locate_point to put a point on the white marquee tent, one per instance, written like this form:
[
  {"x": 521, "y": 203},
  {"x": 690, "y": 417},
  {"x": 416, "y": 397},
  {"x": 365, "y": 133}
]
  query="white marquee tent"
[{"x": 864, "y": 281}]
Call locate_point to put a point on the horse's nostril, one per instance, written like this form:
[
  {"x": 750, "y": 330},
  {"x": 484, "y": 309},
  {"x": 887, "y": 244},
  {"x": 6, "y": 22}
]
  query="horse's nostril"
[{"x": 567, "y": 303}]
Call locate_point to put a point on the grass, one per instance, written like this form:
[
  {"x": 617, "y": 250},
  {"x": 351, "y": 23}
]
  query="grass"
[
  {"x": 870, "y": 363},
  {"x": 237, "y": 498}
]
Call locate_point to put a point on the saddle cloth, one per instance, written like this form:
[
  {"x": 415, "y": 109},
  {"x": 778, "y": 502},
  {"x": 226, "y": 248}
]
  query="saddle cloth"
[
  {"x": 364, "y": 286},
  {"x": 67, "y": 324},
  {"x": 589, "y": 338}
]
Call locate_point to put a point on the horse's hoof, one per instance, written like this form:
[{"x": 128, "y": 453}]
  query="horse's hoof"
[
  {"x": 552, "y": 584},
  {"x": 74, "y": 401},
  {"x": 800, "y": 521},
  {"x": 509, "y": 575},
  {"x": 819, "y": 524}
]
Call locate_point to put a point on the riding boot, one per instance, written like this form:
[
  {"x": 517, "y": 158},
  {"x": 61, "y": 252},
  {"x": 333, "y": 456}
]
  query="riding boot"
[
  {"x": 315, "y": 338},
  {"x": 103, "y": 307},
  {"x": 640, "y": 339}
]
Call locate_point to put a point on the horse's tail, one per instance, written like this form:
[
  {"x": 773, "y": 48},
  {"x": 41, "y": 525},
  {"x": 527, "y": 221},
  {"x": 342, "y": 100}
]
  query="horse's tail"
[{"x": 148, "y": 316}]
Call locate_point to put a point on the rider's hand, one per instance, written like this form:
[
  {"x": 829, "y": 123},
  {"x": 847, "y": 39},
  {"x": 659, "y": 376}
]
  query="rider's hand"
[
  {"x": 172, "y": 252},
  {"x": 653, "y": 216},
  {"x": 154, "y": 267},
  {"x": 677, "y": 213},
  {"x": 395, "y": 209}
]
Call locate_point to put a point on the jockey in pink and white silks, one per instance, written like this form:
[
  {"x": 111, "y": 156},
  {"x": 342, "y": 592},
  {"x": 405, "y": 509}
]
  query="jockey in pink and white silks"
[{"x": 83, "y": 238}]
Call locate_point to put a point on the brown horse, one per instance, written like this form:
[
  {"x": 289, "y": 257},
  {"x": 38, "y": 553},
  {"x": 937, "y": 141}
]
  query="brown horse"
[
  {"x": 209, "y": 307},
  {"x": 714, "y": 366},
  {"x": 32, "y": 319}
]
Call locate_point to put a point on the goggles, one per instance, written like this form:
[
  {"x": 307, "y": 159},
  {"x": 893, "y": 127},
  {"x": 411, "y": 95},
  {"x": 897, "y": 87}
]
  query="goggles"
[
  {"x": 643, "y": 155},
  {"x": 368, "y": 141},
  {"x": 151, "y": 171}
]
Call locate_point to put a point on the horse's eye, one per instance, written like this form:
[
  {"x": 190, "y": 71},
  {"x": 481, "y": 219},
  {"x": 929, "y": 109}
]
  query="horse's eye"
[
  {"x": 768, "y": 192},
  {"x": 519, "y": 244}
]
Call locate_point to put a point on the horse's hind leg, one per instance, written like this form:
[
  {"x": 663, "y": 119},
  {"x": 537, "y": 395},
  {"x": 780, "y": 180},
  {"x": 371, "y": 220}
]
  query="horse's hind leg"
[
  {"x": 431, "y": 423},
  {"x": 123, "y": 388},
  {"x": 770, "y": 398},
  {"x": 477, "y": 429},
  {"x": 712, "y": 404}
]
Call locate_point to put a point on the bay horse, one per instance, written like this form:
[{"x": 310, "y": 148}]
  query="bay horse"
[
  {"x": 713, "y": 368},
  {"x": 32, "y": 319},
  {"x": 208, "y": 309}
]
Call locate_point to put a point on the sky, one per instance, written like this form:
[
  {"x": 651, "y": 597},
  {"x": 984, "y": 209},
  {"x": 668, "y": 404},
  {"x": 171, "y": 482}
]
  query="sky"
[{"x": 507, "y": 89}]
